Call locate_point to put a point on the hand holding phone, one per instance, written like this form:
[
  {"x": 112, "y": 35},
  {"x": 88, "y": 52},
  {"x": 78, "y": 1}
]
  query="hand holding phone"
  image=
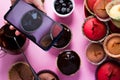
[{"x": 34, "y": 23}]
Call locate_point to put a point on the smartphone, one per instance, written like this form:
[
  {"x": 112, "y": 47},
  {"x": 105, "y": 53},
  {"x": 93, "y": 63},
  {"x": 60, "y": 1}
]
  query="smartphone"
[{"x": 34, "y": 23}]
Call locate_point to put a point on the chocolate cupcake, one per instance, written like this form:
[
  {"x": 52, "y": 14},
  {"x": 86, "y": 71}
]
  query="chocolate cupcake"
[
  {"x": 95, "y": 53},
  {"x": 20, "y": 71},
  {"x": 94, "y": 29},
  {"x": 68, "y": 62},
  {"x": 8, "y": 43},
  {"x": 112, "y": 45},
  {"x": 47, "y": 75},
  {"x": 108, "y": 70},
  {"x": 65, "y": 38}
]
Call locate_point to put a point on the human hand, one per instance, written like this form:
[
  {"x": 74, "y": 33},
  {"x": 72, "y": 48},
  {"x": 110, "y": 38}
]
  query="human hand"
[{"x": 37, "y": 3}]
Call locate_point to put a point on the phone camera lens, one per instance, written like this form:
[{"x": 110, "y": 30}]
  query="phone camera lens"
[{"x": 31, "y": 20}]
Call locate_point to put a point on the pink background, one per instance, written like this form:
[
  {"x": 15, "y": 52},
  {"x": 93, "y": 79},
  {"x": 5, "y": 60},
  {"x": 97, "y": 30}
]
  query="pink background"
[{"x": 40, "y": 59}]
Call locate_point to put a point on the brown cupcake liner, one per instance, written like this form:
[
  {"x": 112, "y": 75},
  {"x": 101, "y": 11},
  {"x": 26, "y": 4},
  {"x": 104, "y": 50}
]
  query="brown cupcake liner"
[
  {"x": 96, "y": 63},
  {"x": 105, "y": 43},
  {"x": 13, "y": 72},
  {"x": 71, "y": 73}
]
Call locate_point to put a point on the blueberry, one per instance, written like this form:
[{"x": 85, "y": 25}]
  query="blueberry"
[
  {"x": 58, "y": 8},
  {"x": 69, "y": 3},
  {"x": 66, "y": 1},
  {"x": 57, "y": 3},
  {"x": 61, "y": 1},
  {"x": 68, "y": 10},
  {"x": 71, "y": 6},
  {"x": 63, "y": 4},
  {"x": 63, "y": 9}
]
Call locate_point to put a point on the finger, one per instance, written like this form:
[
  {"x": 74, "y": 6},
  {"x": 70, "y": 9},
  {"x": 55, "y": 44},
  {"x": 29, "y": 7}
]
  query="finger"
[
  {"x": 43, "y": 1},
  {"x": 5, "y": 22},
  {"x": 17, "y": 33},
  {"x": 38, "y": 4},
  {"x": 11, "y": 27},
  {"x": 13, "y": 1}
]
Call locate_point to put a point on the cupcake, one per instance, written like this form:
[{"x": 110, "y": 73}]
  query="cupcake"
[
  {"x": 89, "y": 5},
  {"x": 95, "y": 53},
  {"x": 112, "y": 45},
  {"x": 47, "y": 75},
  {"x": 65, "y": 38},
  {"x": 94, "y": 29},
  {"x": 20, "y": 71},
  {"x": 8, "y": 43},
  {"x": 109, "y": 70},
  {"x": 99, "y": 9},
  {"x": 113, "y": 28},
  {"x": 68, "y": 62},
  {"x": 113, "y": 10}
]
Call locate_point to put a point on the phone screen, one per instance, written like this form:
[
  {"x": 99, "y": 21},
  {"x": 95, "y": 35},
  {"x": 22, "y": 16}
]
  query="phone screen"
[{"x": 35, "y": 24}]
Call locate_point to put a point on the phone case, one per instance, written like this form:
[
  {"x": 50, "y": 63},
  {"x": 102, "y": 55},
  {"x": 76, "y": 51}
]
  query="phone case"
[{"x": 34, "y": 23}]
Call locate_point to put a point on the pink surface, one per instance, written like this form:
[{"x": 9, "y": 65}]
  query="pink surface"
[{"x": 40, "y": 59}]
